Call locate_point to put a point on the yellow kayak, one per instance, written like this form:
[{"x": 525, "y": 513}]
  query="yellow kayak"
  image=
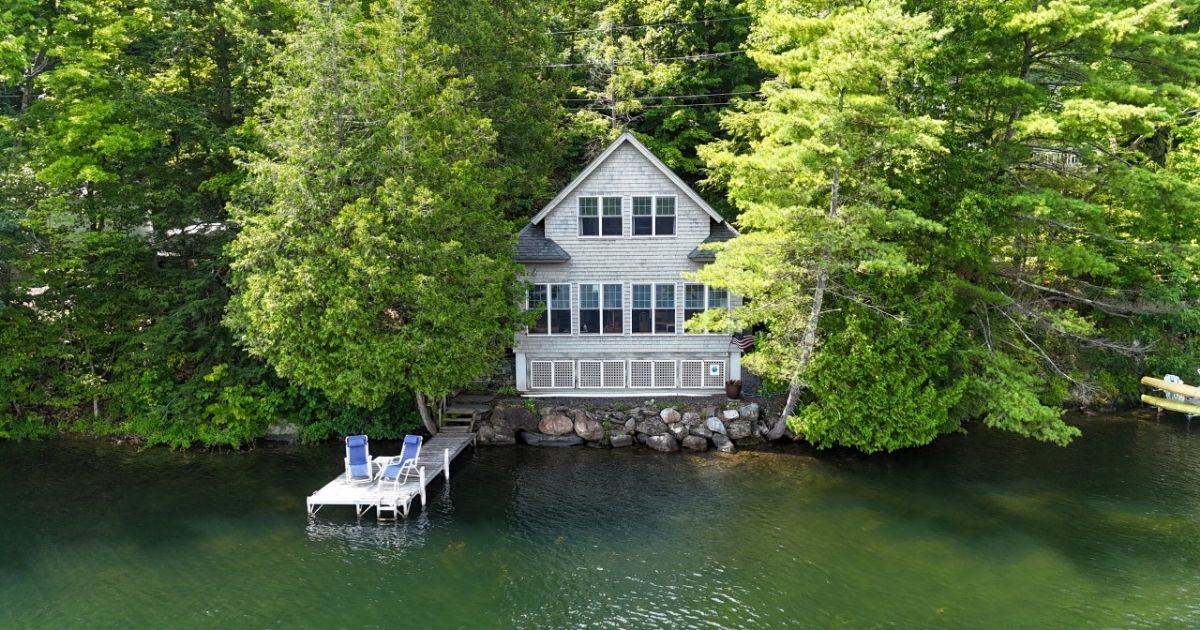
[
  {"x": 1174, "y": 388},
  {"x": 1172, "y": 405}
]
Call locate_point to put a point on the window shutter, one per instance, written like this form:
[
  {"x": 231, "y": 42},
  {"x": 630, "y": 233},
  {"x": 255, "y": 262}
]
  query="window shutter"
[
  {"x": 691, "y": 374},
  {"x": 614, "y": 374},
  {"x": 564, "y": 374},
  {"x": 540, "y": 375},
  {"x": 714, "y": 373},
  {"x": 640, "y": 374},
  {"x": 664, "y": 374},
  {"x": 589, "y": 374}
]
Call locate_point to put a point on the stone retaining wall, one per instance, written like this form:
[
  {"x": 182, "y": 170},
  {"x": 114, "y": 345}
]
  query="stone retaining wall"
[{"x": 688, "y": 427}]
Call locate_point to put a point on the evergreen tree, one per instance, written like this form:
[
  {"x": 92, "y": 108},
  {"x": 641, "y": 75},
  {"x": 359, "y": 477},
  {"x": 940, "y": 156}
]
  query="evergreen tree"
[
  {"x": 814, "y": 168},
  {"x": 372, "y": 260}
]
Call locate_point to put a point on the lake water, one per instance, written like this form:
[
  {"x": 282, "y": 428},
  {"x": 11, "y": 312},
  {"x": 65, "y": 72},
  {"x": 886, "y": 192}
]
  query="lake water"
[{"x": 978, "y": 530}]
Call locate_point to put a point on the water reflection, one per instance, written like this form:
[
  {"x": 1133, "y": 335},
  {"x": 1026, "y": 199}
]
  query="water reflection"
[{"x": 981, "y": 529}]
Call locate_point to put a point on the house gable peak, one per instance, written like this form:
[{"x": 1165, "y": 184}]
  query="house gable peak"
[{"x": 627, "y": 137}]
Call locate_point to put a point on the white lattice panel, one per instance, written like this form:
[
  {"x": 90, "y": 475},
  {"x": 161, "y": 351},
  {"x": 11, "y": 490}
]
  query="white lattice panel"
[
  {"x": 641, "y": 374},
  {"x": 664, "y": 374},
  {"x": 589, "y": 374},
  {"x": 691, "y": 374},
  {"x": 564, "y": 374},
  {"x": 614, "y": 374},
  {"x": 541, "y": 375},
  {"x": 714, "y": 373}
]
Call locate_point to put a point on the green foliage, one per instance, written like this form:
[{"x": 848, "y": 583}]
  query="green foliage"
[
  {"x": 881, "y": 383},
  {"x": 372, "y": 260}
]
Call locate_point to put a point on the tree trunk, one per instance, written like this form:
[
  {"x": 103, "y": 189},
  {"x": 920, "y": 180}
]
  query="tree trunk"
[
  {"x": 427, "y": 419},
  {"x": 809, "y": 342}
]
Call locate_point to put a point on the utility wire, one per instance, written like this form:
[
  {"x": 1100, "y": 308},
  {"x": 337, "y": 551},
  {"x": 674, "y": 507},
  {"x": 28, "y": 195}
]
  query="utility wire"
[
  {"x": 604, "y": 108},
  {"x": 635, "y": 27},
  {"x": 656, "y": 98},
  {"x": 630, "y": 63}
]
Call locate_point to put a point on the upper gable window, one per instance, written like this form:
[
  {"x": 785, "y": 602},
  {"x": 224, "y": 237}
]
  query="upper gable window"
[
  {"x": 653, "y": 216},
  {"x": 600, "y": 216}
]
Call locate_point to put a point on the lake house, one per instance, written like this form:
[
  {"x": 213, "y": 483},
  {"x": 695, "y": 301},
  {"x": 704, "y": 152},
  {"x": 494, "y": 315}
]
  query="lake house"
[{"x": 605, "y": 258}]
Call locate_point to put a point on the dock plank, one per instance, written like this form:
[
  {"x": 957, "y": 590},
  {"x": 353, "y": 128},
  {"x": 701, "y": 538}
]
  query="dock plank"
[{"x": 372, "y": 495}]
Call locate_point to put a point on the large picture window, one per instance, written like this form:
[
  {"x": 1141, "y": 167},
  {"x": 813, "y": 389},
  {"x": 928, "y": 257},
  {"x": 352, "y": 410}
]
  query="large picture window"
[
  {"x": 600, "y": 216},
  {"x": 698, "y": 297},
  {"x": 556, "y": 312},
  {"x": 600, "y": 309},
  {"x": 653, "y": 216}
]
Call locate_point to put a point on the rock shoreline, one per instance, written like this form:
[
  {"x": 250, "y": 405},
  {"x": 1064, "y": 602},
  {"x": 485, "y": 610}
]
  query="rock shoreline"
[{"x": 681, "y": 427}]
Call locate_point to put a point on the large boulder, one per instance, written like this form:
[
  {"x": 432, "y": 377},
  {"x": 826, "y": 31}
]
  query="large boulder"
[
  {"x": 588, "y": 427},
  {"x": 738, "y": 429},
  {"x": 669, "y": 415},
  {"x": 691, "y": 418},
  {"x": 619, "y": 415},
  {"x": 514, "y": 418},
  {"x": 630, "y": 426},
  {"x": 749, "y": 411},
  {"x": 489, "y": 434},
  {"x": 619, "y": 441},
  {"x": 541, "y": 439},
  {"x": 282, "y": 432},
  {"x": 723, "y": 444},
  {"x": 652, "y": 426},
  {"x": 695, "y": 443},
  {"x": 556, "y": 424},
  {"x": 715, "y": 425},
  {"x": 664, "y": 443},
  {"x": 730, "y": 415},
  {"x": 701, "y": 431}
]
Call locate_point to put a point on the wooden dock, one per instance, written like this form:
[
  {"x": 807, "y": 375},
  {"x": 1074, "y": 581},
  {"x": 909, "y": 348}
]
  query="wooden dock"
[{"x": 391, "y": 501}]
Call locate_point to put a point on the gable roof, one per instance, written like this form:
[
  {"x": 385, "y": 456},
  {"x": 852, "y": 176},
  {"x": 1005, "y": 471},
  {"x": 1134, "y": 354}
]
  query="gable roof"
[
  {"x": 627, "y": 137},
  {"x": 717, "y": 233},
  {"x": 533, "y": 246}
]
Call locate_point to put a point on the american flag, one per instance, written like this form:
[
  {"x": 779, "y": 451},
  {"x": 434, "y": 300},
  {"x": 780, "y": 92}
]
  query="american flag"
[{"x": 743, "y": 341}]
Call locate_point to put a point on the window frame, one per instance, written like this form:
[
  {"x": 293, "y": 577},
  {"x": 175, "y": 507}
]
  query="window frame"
[
  {"x": 707, "y": 300},
  {"x": 600, "y": 216},
  {"x": 653, "y": 216},
  {"x": 549, "y": 314},
  {"x": 654, "y": 308},
  {"x": 601, "y": 307}
]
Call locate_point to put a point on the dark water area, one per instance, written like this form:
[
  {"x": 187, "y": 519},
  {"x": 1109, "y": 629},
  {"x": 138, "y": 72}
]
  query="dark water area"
[{"x": 978, "y": 530}]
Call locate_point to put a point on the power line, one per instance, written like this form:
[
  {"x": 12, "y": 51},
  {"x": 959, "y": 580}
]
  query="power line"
[
  {"x": 602, "y": 108},
  {"x": 629, "y": 63},
  {"x": 669, "y": 96},
  {"x": 635, "y": 27}
]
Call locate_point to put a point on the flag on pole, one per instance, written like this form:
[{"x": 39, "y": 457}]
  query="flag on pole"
[{"x": 743, "y": 341}]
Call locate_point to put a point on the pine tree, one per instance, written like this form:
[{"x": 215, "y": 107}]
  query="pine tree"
[{"x": 813, "y": 168}]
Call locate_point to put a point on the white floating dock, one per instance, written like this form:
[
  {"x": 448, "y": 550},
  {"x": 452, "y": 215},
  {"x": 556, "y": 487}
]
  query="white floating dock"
[{"x": 388, "y": 500}]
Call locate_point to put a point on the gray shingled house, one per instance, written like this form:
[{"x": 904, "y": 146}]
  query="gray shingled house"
[{"x": 605, "y": 259}]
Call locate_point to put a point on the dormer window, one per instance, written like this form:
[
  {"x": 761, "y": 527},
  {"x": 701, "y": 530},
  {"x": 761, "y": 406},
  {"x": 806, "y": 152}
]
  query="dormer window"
[
  {"x": 600, "y": 216},
  {"x": 653, "y": 216}
]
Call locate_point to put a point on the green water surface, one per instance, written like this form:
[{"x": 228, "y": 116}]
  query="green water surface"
[{"x": 978, "y": 530}]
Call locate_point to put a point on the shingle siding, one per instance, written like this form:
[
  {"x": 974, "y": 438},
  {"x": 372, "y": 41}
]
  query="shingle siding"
[{"x": 625, "y": 260}]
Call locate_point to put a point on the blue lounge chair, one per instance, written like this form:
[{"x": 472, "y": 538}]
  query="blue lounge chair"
[
  {"x": 398, "y": 468},
  {"x": 358, "y": 460}
]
